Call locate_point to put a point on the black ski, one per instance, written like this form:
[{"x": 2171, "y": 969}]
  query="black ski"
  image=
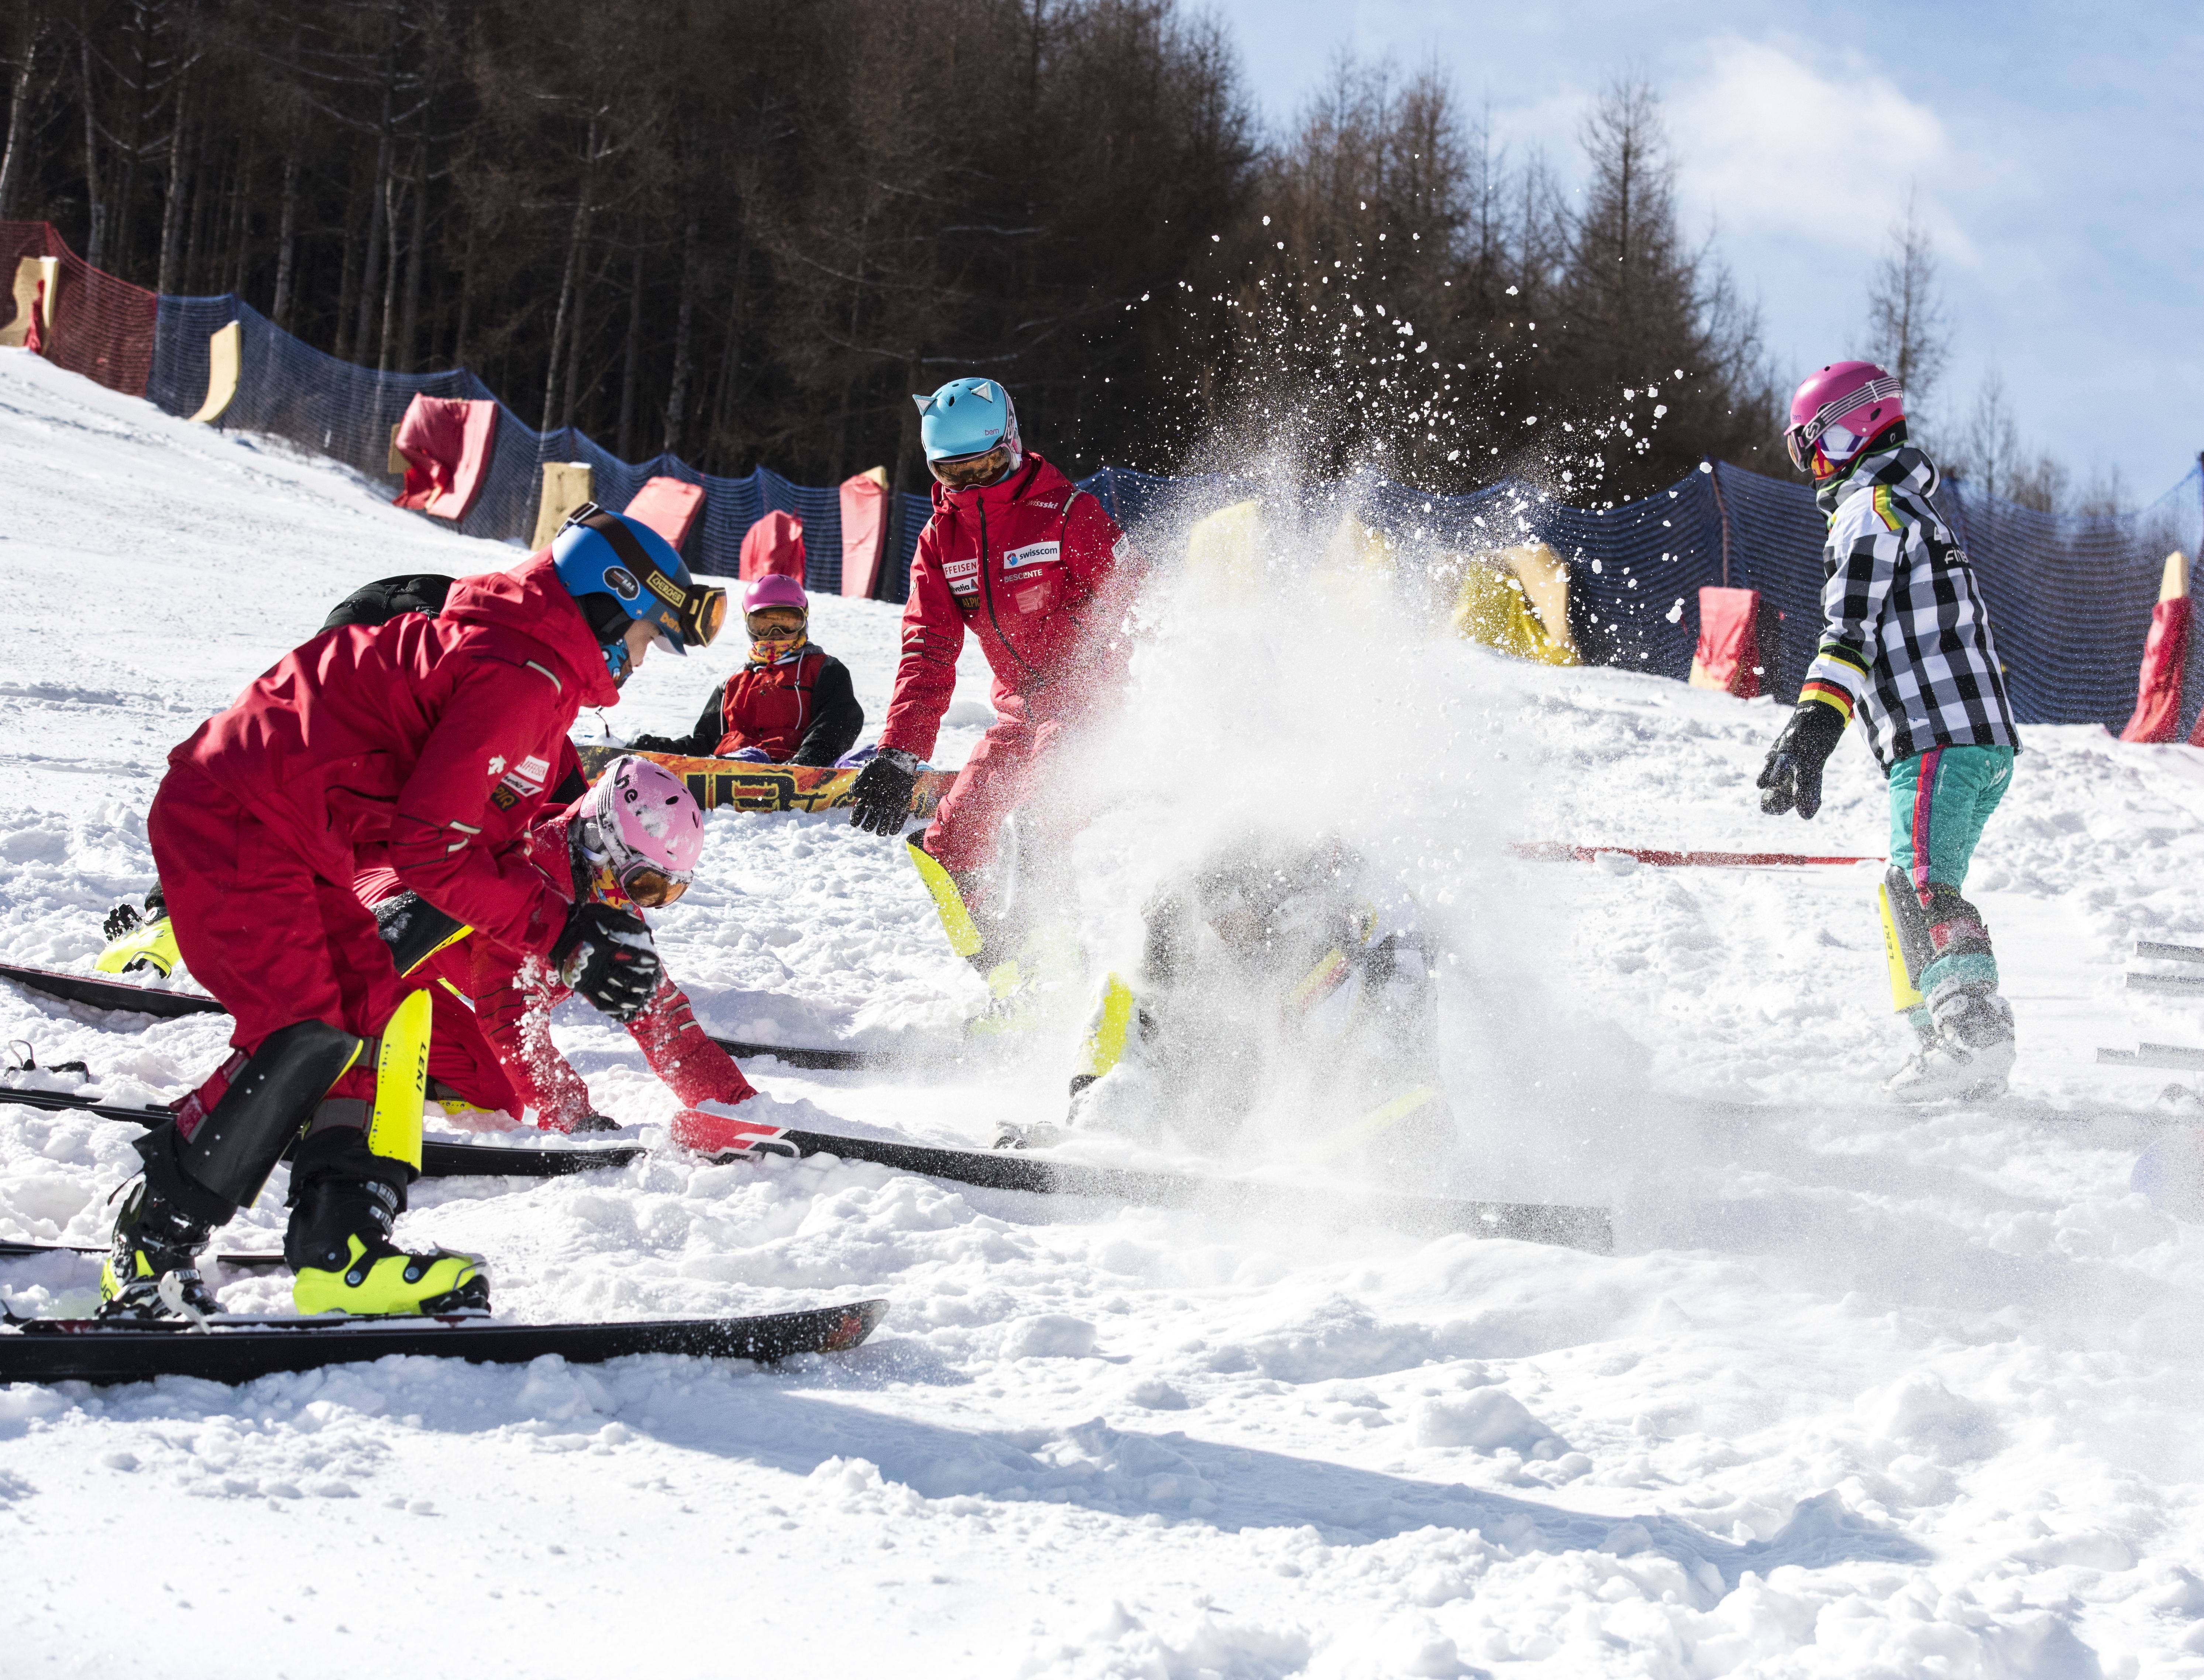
[
  {"x": 85, "y": 1350},
  {"x": 439, "y": 1159},
  {"x": 100, "y": 993},
  {"x": 1569, "y": 1226},
  {"x": 256, "y": 1260},
  {"x": 1585, "y": 1227}
]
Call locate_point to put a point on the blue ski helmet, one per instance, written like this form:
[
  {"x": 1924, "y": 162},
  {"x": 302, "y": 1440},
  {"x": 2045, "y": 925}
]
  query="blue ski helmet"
[
  {"x": 967, "y": 416},
  {"x": 624, "y": 561}
]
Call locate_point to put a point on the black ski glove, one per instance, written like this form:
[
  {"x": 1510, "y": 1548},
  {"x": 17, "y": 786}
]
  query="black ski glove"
[
  {"x": 605, "y": 954},
  {"x": 1792, "y": 774},
  {"x": 880, "y": 801}
]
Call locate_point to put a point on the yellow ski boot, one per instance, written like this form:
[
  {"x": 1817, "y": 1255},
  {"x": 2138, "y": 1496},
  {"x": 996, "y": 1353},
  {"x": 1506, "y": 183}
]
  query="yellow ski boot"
[{"x": 348, "y": 1187}]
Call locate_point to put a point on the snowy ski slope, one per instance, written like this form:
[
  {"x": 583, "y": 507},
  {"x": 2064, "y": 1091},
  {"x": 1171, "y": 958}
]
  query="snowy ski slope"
[{"x": 1862, "y": 1391}]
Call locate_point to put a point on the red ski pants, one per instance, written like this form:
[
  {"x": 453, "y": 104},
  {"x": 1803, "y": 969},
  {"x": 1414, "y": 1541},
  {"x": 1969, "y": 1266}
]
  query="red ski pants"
[
  {"x": 272, "y": 941},
  {"x": 1000, "y": 775}
]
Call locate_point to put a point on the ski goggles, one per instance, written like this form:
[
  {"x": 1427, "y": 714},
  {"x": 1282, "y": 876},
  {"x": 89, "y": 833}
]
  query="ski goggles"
[
  {"x": 775, "y": 623},
  {"x": 1817, "y": 452},
  {"x": 645, "y": 885},
  {"x": 961, "y": 472}
]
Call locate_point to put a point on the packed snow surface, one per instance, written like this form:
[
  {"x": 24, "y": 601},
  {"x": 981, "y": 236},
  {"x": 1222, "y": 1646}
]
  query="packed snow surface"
[{"x": 1863, "y": 1390}]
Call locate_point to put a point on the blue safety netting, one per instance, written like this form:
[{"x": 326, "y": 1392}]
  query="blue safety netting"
[{"x": 2069, "y": 595}]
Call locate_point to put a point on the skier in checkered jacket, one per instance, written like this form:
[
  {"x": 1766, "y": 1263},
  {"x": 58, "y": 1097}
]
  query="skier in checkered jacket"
[{"x": 1907, "y": 647}]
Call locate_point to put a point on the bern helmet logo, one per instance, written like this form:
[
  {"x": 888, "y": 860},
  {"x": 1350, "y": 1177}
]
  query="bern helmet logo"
[{"x": 623, "y": 583}]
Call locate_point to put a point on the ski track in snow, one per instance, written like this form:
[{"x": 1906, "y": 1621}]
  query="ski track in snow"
[{"x": 1863, "y": 1392}]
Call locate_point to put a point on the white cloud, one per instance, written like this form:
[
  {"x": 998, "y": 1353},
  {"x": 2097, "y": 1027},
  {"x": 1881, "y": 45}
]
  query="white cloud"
[{"x": 1770, "y": 145}]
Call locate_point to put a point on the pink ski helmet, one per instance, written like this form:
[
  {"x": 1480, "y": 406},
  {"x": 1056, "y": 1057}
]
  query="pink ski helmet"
[
  {"x": 775, "y": 590},
  {"x": 639, "y": 833},
  {"x": 1836, "y": 412}
]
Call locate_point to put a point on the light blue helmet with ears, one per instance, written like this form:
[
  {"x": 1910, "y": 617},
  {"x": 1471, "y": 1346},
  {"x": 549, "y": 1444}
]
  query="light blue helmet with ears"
[{"x": 967, "y": 416}]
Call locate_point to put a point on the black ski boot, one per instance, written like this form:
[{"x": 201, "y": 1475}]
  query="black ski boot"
[{"x": 153, "y": 1244}]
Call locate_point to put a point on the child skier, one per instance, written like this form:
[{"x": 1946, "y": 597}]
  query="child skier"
[
  {"x": 1038, "y": 571},
  {"x": 791, "y": 703},
  {"x": 433, "y": 738},
  {"x": 1907, "y": 645},
  {"x": 633, "y": 841}
]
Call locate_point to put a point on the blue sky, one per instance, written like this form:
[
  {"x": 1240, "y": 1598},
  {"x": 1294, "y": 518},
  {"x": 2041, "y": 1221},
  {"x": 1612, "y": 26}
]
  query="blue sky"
[{"x": 2058, "y": 152}]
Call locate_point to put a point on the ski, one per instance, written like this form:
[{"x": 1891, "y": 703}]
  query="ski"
[
  {"x": 2182, "y": 985},
  {"x": 1568, "y": 1226},
  {"x": 240, "y": 1261},
  {"x": 2148, "y": 947},
  {"x": 85, "y": 1350},
  {"x": 1585, "y": 1227},
  {"x": 105, "y": 994},
  {"x": 1561, "y": 851},
  {"x": 99, "y": 993},
  {"x": 2154, "y": 1055},
  {"x": 439, "y": 1159}
]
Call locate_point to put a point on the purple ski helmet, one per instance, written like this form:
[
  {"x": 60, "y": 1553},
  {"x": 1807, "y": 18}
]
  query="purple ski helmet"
[
  {"x": 1836, "y": 412},
  {"x": 639, "y": 833}
]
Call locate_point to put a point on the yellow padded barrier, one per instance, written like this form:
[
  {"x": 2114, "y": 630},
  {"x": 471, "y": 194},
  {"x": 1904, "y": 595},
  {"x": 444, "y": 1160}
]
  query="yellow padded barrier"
[{"x": 224, "y": 350}]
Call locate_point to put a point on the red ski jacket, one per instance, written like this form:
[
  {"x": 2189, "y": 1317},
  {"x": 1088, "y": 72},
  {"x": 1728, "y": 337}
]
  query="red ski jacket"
[
  {"x": 1037, "y": 570},
  {"x": 430, "y": 740},
  {"x": 482, "y": 985},
  {"x": 800, "y": 709}
]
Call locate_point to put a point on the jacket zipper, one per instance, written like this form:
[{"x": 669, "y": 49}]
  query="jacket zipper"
[{"x": 987, "y": 590}]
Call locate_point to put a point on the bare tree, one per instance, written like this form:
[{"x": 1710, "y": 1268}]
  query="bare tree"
[{"x": 1908, "y": 328}]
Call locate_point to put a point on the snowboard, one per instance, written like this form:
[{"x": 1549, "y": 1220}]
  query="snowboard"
[
  {"x": 732, "y": 784},
  {"x": 98, "y": 992},
  {"x": 228, "y": 1349}
]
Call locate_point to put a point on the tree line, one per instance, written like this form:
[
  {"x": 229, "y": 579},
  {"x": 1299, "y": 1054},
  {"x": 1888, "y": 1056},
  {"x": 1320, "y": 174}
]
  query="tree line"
[{"x": 746, "y": 232}]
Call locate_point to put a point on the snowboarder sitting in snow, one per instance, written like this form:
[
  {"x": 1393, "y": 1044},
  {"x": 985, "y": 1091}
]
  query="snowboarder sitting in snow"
[
  {"x": 433, "y": 739},
  {"x": 1038, "y": 571},
  {"x": 1907, "y": 646},
  {"x": 791, "y": 703},
  {"x": 631, "y": 842},
  {"x": 1276, "y": 975}
]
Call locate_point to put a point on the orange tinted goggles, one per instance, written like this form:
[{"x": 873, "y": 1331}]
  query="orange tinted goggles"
[{"x": 644, "y": 885}]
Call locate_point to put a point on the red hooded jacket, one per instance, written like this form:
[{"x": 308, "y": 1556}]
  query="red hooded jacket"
[
  {"x": 430, "y": 743},
  {"x": 1037, "y": 570}
]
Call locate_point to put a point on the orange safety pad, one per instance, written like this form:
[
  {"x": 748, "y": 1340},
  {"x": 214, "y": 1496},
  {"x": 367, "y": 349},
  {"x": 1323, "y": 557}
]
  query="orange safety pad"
[
  {"x": 864, "y": 531},
  {"x": 1729, "y": 643},
  {"x": 446, "y": 441},
  {"x": 773, "y": 545},
  {"x": 669, "y": 506}
]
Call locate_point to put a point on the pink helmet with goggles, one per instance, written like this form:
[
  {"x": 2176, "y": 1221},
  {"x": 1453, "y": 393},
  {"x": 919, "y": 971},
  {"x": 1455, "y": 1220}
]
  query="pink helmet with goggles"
[
  {"x": 638, "y": 834},
  {"x": 1836, "y": 412},
  {"x": 775, "y": 590}
]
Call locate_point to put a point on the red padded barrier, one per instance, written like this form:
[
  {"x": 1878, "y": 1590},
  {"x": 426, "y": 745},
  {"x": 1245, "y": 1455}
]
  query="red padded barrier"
[
  {"x": 446, "y": 441},
  {"x": 102, "y": 326},
  {"x": 864, "y": 534},
  {"x": 669, "y": 506},
  {"x": 1729, "y": 642},
  {"x": 773, "y": 545},
  {"x": 2158, "y": 687}
]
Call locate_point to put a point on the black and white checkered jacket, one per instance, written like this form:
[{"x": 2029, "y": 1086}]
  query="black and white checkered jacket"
[{"x": 1907, "y": 638}]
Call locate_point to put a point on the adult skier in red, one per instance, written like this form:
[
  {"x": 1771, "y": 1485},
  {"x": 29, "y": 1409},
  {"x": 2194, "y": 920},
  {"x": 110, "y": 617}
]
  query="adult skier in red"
[
  {"x": 433, "y": 739},
  {"x": 1037, "y": 570},
  {"x": 632, "y": 841}
]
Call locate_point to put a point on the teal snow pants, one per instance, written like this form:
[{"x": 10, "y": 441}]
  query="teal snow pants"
[{"x": 1939, "y": 801}]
